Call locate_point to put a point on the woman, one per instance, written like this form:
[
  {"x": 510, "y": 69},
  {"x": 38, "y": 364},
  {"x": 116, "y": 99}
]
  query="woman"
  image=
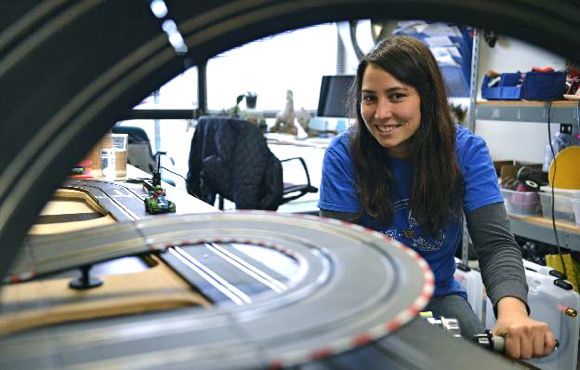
[{"x": 407, "y": 170}]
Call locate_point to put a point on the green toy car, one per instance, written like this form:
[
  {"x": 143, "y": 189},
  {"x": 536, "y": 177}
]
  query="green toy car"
[{"x": 157, "y": 203}]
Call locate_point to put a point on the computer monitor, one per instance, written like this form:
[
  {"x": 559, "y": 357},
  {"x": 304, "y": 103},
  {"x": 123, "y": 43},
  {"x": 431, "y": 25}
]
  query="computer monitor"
[{"x": 333, "y": 93}]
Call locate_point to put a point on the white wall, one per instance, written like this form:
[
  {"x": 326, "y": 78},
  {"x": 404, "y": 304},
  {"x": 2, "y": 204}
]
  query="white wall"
[
  {"x": 521, "y": 141},
  {"x": 515, "y": 140}
]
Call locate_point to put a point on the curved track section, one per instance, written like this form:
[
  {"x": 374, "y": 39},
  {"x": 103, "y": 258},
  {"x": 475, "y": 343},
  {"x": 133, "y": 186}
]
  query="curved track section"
[{"x": 357, "y": 286}]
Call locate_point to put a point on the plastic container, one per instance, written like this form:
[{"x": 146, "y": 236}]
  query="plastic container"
[
  {"x": 470, "y": 280},
  {"x": 552, "y": 302},
  {"x": 529, "y": 86},
  {"x": 521, "y": 203},
  {"x": 576, "y": 207},
  {"x": 563, "y": 208},
  {"x": 544, "y": 270},
  {"x": 566, "y": 192}
]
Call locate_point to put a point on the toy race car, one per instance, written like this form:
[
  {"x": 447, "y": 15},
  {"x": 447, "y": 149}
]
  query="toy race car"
[{"x": 157, "y": 203}]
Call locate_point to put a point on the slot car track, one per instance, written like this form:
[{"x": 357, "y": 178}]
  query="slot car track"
[
  {"x": 351, "y": 290},
  {"x": 380, "y": 300},
  {"x": 123, "y": 200}
]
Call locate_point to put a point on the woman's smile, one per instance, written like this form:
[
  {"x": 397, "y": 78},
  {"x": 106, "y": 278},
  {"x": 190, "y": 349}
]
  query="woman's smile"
[{"x": 387, "y": 129}]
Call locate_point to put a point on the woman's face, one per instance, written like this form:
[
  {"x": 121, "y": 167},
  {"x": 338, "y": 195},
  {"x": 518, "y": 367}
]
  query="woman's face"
[{"x": 391, "y": 110}]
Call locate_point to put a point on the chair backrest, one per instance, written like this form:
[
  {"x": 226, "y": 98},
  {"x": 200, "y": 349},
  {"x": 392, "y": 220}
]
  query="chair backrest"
[
  {"x": 136, "y": 134},
  {"x": 230, "y": 157}
]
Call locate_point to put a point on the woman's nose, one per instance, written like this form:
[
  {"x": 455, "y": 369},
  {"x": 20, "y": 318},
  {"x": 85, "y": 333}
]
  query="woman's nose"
[{"x": 384, "y": 109}]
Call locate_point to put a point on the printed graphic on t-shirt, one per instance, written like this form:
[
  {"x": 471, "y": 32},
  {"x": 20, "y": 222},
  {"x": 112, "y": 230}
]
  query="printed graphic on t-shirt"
[{"x": 407, "y": 230}]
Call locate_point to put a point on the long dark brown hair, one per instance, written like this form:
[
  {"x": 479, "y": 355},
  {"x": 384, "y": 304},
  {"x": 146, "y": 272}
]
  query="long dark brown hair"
[{"x": 437, "y": 183}]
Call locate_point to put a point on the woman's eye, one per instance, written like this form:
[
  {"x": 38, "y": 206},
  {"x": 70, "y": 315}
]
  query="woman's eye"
[
  {"x": 368, "y": 98},
  {"x": 396, "y": 97}
]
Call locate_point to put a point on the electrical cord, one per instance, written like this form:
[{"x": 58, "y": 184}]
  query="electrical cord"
[
  {"x": 175, "y": 173},
  {"x": 178, "y": 175},
  {"x": 552, "y": 187}
]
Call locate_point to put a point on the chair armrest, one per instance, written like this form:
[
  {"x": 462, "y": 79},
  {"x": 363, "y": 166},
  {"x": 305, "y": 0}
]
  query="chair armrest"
[{"x": 303, "y": 166}]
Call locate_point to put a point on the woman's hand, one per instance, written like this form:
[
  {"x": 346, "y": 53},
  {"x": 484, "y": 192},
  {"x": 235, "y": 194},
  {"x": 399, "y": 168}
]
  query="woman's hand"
[{"x": 524, "y": 337}]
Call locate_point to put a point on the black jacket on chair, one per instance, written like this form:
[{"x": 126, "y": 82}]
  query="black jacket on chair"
[{"x": 230, "y": 157}]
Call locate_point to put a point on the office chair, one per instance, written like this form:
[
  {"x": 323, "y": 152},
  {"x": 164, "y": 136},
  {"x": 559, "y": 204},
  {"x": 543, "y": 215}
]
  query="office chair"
[{"x": 230, "y": 159}]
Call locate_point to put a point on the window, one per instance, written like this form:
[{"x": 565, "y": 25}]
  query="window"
[
  {"x": 294, "y": 60},
  {"x": 179, "y": 93}
]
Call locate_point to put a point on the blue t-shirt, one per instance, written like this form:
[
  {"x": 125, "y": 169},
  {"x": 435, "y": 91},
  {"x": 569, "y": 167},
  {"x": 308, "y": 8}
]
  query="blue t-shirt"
[{"x": 338, "y": 193}]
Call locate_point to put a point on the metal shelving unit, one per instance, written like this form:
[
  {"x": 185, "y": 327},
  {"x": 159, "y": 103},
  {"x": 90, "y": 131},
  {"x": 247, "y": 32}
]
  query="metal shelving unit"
[
  {"x": 473, "y": 83},
  {"x": 567, "y": 236},
  {"x": 527, "y": 111},
  {"x": 535, "y": 111}
]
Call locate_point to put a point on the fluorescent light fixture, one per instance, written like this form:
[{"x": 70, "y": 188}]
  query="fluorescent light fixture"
[
  {"x": 175, "y": 38},
  {"x": 159, "y": 8}
]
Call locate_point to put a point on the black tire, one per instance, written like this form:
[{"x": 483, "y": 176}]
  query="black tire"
[{"x": 67, "y": 75}]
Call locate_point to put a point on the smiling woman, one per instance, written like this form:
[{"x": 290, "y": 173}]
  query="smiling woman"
[{"x": 71, "y": 69}]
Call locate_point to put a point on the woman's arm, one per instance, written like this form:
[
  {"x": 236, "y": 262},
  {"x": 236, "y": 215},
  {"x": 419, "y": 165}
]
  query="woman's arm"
[
  {"x": 500, "y": 258},
  {"x": 503, "y": 274}
]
